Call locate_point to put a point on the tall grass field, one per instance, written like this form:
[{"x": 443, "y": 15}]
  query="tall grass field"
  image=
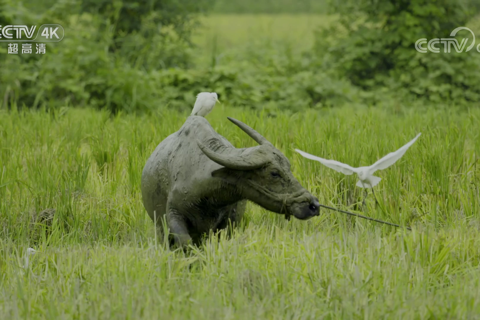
[
  {"x": 99, "y": 258},
  {"x": 70, "y": 189}
]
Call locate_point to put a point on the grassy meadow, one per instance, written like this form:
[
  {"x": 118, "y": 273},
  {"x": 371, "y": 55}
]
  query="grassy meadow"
[
  {"x": 221, "y": 32},
  {"x": 100, "y": 258}
]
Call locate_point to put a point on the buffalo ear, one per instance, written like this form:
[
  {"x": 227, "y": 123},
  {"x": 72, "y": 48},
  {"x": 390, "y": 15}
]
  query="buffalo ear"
[
  {"x": 221, "y": 173},
  {"x": 232, "y": 158}
]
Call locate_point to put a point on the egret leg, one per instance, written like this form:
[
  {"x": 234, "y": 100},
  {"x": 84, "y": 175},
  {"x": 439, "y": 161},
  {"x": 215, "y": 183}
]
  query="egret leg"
[
  {"x": 365, "y": 195},
  {"x": 376, "y": 201}
]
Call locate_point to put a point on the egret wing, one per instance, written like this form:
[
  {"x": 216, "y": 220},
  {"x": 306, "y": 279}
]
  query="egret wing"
[
  {"x": 196, "y": 107},
  {"x": 392, "y": 157},
  {"x": 332, "y": 164},
  {"x": 199, "y": 103}
]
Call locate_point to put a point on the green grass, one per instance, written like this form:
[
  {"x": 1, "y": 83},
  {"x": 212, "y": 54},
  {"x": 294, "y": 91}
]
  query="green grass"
[
  {"x": 222, "y": 35},
  {"x": 270, "y": 6},
  {"x": 233, "y": 30},
  {"x": 100, "y": 259}
]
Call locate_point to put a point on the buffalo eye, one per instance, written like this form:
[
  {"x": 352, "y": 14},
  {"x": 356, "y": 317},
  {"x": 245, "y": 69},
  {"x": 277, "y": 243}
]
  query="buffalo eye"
[{"x": 275, "y": 174}]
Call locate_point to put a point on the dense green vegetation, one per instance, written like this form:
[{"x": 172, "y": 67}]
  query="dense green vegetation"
[
  {"x": 378, "y": 51},
  {"x": 78, "y": 124},
  {"x": 99, "y": 257},
  {"x": 138, "y": 56}
]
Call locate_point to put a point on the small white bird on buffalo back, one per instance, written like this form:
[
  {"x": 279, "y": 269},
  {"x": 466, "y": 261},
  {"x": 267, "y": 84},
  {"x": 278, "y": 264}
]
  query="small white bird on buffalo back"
[
  {"x": 365, "y": 174},
  {"x": 205, "y": 103}
]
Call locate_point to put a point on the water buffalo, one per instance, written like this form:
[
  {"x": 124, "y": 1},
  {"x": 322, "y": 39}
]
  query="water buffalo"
[{"x": 198, "y": 181}]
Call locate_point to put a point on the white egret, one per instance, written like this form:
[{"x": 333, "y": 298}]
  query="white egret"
[
  {"x": 365, "y": 174},
  {"x": 204, "y": 103},
  {"x": 29, "y": 252},
  {"x": 24, "y": 269}
]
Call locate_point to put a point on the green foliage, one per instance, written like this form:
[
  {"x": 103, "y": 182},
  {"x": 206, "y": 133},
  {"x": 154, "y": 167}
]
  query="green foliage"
[
  {"x": 120, "y": 57},
  {"x": 270, "y": 6},
  {"x": 141, "y": 21},
  {"x": 5, "y": 18},
  {"x": 270, "y": 85},
  {"x": 106, "y": 57},
  {"x": 81, "y": 70},
  {"x": 378, "y": 50}
]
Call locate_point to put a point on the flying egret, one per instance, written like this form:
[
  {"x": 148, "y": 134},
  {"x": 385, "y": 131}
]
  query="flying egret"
[
  {"x": 365, "y": 174},
  {"x": 204, "y": 103}
]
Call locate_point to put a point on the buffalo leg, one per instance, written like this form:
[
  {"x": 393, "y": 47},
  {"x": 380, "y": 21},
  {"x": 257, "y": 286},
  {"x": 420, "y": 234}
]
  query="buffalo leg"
[
  {"x": 232, "y": 216},
  {"x": 178, "y": 228}
]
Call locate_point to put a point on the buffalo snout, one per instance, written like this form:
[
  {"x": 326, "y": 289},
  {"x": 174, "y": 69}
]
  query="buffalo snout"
[{"x": 306, "y": 210}]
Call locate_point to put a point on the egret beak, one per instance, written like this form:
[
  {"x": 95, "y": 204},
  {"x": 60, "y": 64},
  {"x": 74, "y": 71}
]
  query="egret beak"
[{"x": 218, "y": 101}]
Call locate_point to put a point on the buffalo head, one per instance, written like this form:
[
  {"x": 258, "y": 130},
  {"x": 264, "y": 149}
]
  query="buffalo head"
[{"x": 261, "y": 174}]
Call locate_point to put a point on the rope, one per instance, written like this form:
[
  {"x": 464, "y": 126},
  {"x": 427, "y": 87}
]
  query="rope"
[{"x": 364, "y": 217}]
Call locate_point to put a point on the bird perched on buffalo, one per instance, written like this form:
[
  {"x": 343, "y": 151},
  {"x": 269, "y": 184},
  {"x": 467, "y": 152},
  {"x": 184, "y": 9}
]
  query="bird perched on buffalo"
[{"x": 204, "y": 103}]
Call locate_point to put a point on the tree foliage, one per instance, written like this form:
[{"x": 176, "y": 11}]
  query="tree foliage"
[
  {"x": 378, "y": 50},
  {"x": 107, "y": 55}
]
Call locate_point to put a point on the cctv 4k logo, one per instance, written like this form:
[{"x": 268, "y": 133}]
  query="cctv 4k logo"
[{"x": 23, "y": 33}]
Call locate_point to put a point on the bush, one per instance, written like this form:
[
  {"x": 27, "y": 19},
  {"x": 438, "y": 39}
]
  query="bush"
[
  {"x": 378, "y": 50},
  {"x": 107, "y": 56},
  {"x": 91, "y": 67}
]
